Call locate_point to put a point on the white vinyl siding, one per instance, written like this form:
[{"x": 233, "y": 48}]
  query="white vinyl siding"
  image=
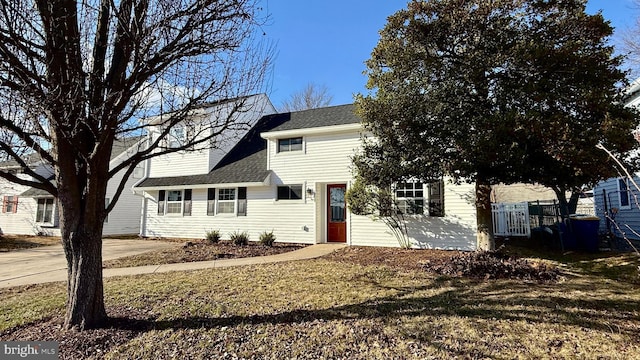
[{"x": 326, "y": 160}]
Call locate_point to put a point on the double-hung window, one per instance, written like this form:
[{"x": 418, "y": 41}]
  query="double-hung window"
[
  {"x": 44, "y": 211},
  {"x": 226, "y": 201},
  {"x": 410, "y": 197},
  {"x": 290, "y": 144},
  {"x": 174, "y": 202}
]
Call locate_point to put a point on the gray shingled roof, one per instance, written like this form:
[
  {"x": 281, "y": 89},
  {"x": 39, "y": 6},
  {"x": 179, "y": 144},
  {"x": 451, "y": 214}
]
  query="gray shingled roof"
[
  {"x": 247, "y": 161},
  {"x": 119, "y": 146},
  {"x": 327, "y": 116}
]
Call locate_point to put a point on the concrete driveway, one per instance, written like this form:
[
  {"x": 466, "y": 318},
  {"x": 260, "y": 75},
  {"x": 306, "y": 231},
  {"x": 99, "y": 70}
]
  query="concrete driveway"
[{"x": 48, "y": 263}]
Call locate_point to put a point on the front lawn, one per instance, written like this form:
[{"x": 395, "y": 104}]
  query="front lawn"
[{"x": 336, "y": 308}]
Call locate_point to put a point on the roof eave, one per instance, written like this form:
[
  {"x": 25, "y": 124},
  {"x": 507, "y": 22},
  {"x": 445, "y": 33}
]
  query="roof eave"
[{"x": 322, "y": 130}]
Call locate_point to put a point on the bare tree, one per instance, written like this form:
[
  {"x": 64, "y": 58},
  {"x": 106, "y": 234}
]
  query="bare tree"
[
  {"x": 630, "y": 41},
  {"x": 311, "y": 97},
  {"x": 77, "y": 75}
]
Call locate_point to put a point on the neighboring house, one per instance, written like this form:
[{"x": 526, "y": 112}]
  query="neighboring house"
[
  {"x": 31, "y": 211},
  {"x": 288, "y": 175},
  {"x": 617, "y": 199}
]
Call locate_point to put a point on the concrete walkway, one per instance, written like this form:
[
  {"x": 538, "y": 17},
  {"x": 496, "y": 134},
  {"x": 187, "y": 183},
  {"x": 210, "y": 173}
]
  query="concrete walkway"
[{"x": 48, "y": 264}]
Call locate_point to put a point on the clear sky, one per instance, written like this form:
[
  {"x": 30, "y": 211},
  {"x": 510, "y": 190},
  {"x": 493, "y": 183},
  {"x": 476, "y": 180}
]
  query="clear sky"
[{"x": 327, "y": 42}]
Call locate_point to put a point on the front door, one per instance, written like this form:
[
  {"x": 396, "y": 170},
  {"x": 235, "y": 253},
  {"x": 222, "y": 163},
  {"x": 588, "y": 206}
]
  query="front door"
[{"x": 336, "y": 213}]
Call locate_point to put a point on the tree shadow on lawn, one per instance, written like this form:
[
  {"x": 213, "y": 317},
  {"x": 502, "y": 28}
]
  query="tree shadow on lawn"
[{"x": 491, "y": 300}]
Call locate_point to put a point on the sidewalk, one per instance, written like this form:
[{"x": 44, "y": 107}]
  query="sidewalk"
[{"x": 47, "y": 264}]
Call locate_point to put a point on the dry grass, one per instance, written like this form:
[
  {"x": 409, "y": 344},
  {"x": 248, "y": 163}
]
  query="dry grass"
[
  {"x": 338, "y": 309},
  {"x": 18, "y": 242}
]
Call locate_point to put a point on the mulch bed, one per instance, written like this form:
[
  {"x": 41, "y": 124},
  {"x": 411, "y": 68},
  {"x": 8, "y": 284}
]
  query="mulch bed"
[{"x": 201, "y": 250}]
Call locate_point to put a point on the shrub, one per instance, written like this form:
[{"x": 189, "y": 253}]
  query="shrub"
[
  {"x": 213, "y": 236},
  {"x": 493, "y": 265},
  {"x": 267, "y": 238},
  {"x": 239, "y": 238}
]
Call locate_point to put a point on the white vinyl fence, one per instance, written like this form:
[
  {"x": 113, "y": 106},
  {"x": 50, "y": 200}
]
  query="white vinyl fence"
[{"x": 511, "y": 219}]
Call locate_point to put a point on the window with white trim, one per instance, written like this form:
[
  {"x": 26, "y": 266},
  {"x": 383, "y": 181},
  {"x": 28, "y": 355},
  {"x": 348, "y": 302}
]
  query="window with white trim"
[
  {"x": 174, "y": 202},
  {"x": 44, "y": 211},
  {"x": 289, "y": 192},
  {"x": 410, "y": 197},
  {"x": 177, "y": 136},
  {"x": 290, "y": 144},
  {"x": 624, "y": 193},
  {"x": 226, "y": 201}
]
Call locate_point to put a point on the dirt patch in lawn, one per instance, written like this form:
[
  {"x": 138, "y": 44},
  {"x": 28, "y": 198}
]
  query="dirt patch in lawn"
[{"x": 201, "y": 250}]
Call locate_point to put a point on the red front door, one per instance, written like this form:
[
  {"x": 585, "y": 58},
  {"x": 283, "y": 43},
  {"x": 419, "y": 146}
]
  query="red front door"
[{"x": 336, "y": 213}]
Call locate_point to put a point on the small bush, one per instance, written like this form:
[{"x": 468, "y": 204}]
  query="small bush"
[
  {"x": 267, "y": 238},
  {"x": 493, "y": 265},
  {"x": 239, "y": 238},
  {"x": 213, "y": 236}
]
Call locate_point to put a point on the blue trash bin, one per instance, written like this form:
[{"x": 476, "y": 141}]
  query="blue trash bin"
[{"x": 585, "y": 228}]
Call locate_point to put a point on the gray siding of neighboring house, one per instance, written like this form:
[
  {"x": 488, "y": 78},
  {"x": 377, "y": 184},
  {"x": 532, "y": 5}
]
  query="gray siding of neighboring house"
[{"x": 627, "y": 218}]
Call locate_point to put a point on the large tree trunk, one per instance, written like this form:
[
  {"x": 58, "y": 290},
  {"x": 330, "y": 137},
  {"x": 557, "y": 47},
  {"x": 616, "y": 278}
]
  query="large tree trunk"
[
  {"x": 85, "y": 299},
  {"x": 82, "y": 187},
  {"x": 567, "y": 206},
  {"x": 485, "y": 239}
]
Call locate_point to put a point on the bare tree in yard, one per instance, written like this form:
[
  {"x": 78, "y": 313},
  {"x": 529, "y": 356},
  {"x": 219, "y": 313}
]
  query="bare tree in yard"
[
  {"x": 76, "y": 76},
  {"x": 311, "y": 97}
]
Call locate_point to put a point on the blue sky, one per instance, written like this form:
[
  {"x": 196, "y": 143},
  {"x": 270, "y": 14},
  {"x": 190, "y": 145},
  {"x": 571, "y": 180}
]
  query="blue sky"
[{"x": 327, "y": 42}]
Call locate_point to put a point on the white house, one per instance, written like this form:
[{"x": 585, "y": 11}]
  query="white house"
[
  {"x": 288, "y": 175},
  {"x": 31, "y": 211}
]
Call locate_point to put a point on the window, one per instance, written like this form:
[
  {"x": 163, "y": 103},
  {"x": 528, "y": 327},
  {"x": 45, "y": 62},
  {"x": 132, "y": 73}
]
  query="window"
[
  {"x": 410, "y": 197},
  {"x": 44, "y": 212},
  {"x": 291, "y": 144},
  {"x": 624, "y": 193},
  {"x": 177, "y": 136},
  {"x": 174, "y": 202},
  {"x": 226, "y": 201},
  {"x": 289, "y": 192},
  {"x": 10, "y": 204}
]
